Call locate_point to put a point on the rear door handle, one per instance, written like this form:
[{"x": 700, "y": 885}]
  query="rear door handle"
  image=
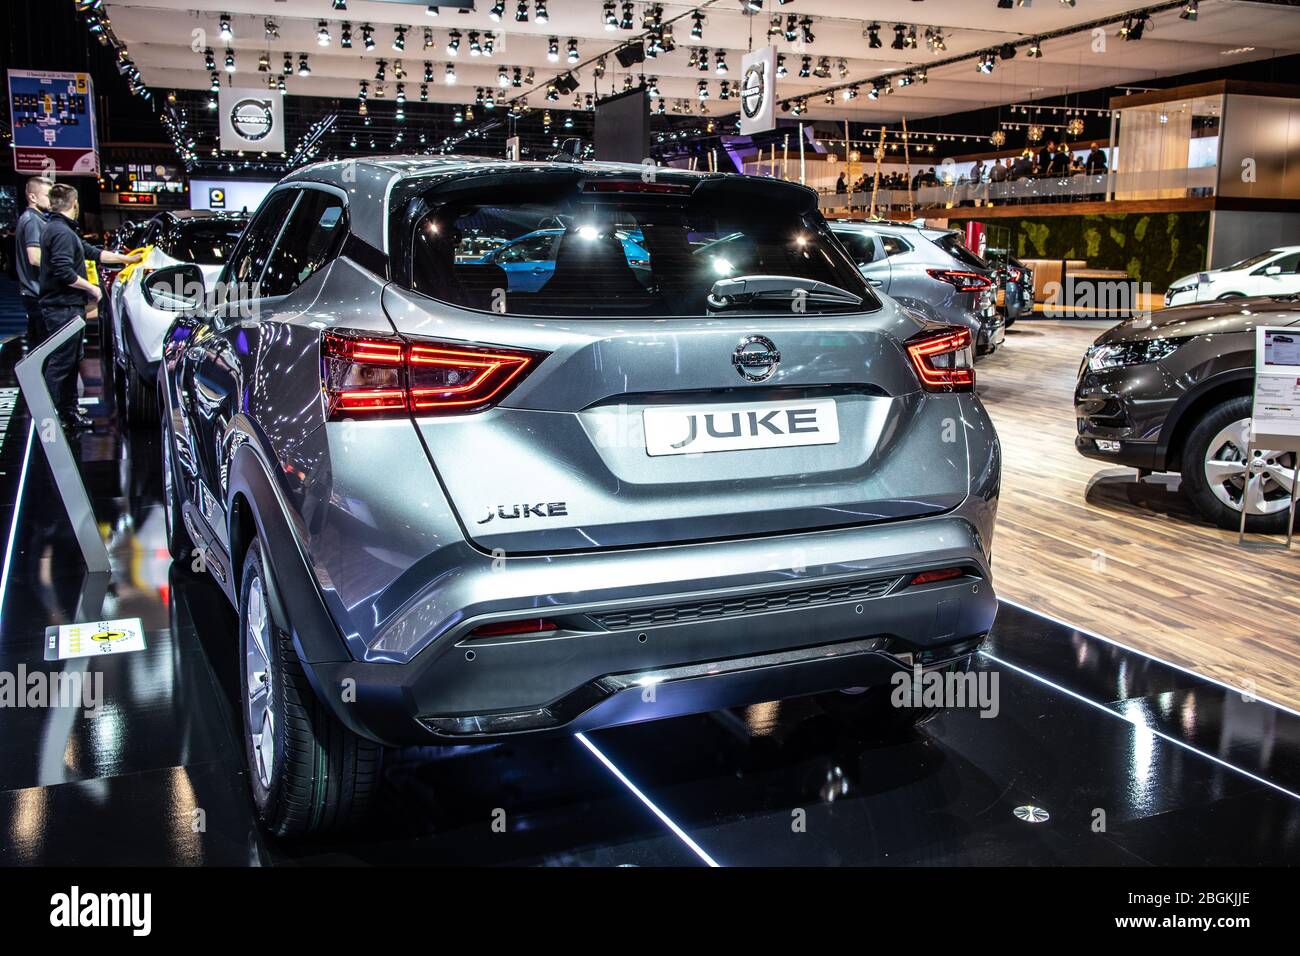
[{"x": 876, "y": 282}]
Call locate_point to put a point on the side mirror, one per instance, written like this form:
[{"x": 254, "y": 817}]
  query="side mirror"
[
  {"x": 175, "y": 289},
  {"x": 1273, "y": 271}
]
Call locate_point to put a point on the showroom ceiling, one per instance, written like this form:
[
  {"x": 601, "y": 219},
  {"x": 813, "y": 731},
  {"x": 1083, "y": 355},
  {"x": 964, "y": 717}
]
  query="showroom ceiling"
[{"x": 162, "y": 40}]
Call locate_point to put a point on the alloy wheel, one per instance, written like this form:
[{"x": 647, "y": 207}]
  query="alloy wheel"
[
  {"x": 1271, "y": 473},
  {"x": 257, "y": 683}
]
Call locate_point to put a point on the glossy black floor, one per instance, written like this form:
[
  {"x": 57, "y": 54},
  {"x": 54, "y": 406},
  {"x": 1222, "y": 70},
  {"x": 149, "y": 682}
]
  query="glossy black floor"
[{"x": 1136, "y": 762}]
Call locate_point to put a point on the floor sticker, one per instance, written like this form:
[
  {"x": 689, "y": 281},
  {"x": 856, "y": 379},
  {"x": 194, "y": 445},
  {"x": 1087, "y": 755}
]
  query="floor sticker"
[{"x": 65, "y": 641}]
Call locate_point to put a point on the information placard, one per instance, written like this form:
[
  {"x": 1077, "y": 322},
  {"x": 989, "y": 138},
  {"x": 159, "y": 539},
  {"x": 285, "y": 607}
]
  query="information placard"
[
  {"x": 93, "y": 638},
  {"x": 53, "y": 119},
  {"x": 1275, "y": 415}
]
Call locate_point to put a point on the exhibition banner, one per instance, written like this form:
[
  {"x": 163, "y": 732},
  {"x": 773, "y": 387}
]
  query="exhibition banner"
[
  {"x": 251, "y": 120},
  {"x": 52, "y": 116},
  {"x": 758, "y": 91}
]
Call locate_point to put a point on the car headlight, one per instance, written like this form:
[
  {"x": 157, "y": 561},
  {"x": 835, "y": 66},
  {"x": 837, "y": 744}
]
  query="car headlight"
[{"x": 1120, "y": 354}]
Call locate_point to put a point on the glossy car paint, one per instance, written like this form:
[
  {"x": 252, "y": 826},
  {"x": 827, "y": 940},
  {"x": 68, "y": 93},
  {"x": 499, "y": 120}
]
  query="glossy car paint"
[
  {"x": 373, "y": 527},
  {"x": 1150, "y": 408}
]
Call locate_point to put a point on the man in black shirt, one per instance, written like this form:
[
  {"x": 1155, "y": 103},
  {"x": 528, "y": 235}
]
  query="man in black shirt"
[
  {"x": 65, "y": 291},
  {"x": 27, "y": 255}
]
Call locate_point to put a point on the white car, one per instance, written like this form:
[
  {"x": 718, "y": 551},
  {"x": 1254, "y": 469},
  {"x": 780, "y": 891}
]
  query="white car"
[
  {"x": 171, "y": 239},
  {"x": 1275, "y": 272}
]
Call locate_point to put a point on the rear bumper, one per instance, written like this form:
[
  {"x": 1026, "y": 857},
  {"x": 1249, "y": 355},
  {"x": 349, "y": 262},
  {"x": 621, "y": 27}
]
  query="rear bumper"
[{"x": 850, "y": 621}]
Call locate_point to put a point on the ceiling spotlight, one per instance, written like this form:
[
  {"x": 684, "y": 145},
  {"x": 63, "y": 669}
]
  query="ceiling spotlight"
[
  {"x": 428, "y": 72},
  {"x": 287, "y": 68},
  {"x": 781, "y": 70},
  {"x": 381, "y": 70},
  {"x": 264, "y": 63},
  {"x": 432, "y": 10},
  {"x": 1035, "y": 50},
  {"x": 598, "y": 71},
  {"x": 553, "y": 49},
  {"x": 453, "y": 43},
  {"x": 209, "y": 60},
  {"x": 541, "y": 15},
  {"x": 934, "y": 39},
  {"x": 874, "y": 92},
  {"x": 303, "y": 68},
  {"x": 449, "y": 75},
  {"x": 702, "y": 90},
  {"x": 345, "y": 36},
  {"x": 720, "y": 62},
  {"x": 517, "y": 79},
  {"x": 399, "y": 39},
  {"x": 843, "y": 68},
  {"x": 751, "y": 6},
  {"x": 503, "y": 77},
  {"x": 322, "y": 33},
  {"x": 805, "y": 27},
  {"x": 225, "y": 31},
  {"x": 521, "y": 12},
  {"x": 697, "y": 24},
  {"x": 572, "y": 53},
  {"x": 851, "y": 93},
  {"x": 1189, "y": 11},
  {"x": 368, "y": 36},
  {"x": 608, "y": 16},
  {"x": 900, "y": 37},
  {"x": 791, "y": 28},
  {"x": 497, "y": 11},
  {"x": 986, "y": 62},
  {"x": 215, "y": 82},
  {"x": 805, "y": 68},
  {"x": 424, "y": 92},
  {"x": 230, "y": 61},
  {"x": 873, "y": 36},
  {"x": 625, "y": 21},
  {"x": 340, "y": 4}
]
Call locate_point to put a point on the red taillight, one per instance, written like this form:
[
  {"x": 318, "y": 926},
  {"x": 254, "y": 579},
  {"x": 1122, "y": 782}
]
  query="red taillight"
[
  {"x": 942, "y": 359},
  {"x": 943, "y": 574},
  {"x": 378, "y": 374},
  {"x": 533, "y": 625},
  {"x": 964, "y": 281}
]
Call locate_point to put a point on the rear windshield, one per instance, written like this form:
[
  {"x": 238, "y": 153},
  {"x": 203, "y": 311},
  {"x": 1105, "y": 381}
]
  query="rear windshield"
[
  {"x": 206, "y": 243},
  {"x": 951, "y": 243},
  {"x": 612, "y": 253}
]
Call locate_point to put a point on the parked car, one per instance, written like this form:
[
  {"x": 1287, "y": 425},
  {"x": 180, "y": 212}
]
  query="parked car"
[
  {"x": 1172, "y": 392},
  {"x": 447, "y": 515},
  {"x": 1015, "y": 282},
  {"x": 1275, "y": 272},
  {"x": 929, "y": 271},
  {"x": 137, "y": 327}
]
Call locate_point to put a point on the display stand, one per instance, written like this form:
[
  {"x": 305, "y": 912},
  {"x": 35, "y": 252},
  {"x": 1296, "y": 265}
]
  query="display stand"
[
  {"x": 67, "y": 476},
  {"x": 1275, "y": 414}
]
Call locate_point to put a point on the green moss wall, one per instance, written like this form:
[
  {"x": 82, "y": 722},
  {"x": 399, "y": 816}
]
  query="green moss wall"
[{"x": 1151, "y": 247}]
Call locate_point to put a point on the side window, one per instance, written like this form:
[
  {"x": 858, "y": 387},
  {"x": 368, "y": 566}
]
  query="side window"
[
  {"x": 248, "y": 260},
  {"x": 1290, "y": 264},
  {"x": 308, "y": 242},
  {"x": 860, "y": 247},
  {"x": 893, "y": 245}
]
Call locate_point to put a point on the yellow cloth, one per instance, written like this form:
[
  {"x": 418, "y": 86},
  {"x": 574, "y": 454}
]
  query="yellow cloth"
[{"x": 143, "y": 252}]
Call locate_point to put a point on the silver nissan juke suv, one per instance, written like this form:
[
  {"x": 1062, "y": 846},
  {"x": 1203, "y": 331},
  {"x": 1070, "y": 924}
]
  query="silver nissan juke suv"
[{"x": 484, "y": 449}]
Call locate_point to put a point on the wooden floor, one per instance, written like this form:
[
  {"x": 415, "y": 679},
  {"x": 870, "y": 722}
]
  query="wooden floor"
[{"x": 1130, "y": 560}]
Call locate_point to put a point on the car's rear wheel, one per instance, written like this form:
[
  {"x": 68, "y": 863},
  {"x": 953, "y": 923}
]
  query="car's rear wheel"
[
  {"x": 1215, "y": 472},
  {"x": 308, "y": 773}
]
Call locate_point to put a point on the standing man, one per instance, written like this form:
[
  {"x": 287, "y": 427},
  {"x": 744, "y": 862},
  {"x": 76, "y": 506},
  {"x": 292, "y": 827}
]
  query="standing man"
[
  {"x": 65, "y": 292},
  {"x": 27, "y": 255}
]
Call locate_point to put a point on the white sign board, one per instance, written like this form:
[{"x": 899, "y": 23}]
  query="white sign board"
[
  {"x": 251, "y": 120},
  {"x": 758, "y": 91},
  {"x": 1275, "y": 416},
  {"x": 93, "y": 639}
]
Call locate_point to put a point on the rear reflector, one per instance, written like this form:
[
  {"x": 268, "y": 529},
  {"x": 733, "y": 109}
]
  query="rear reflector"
[
  {"x": 363, "y": 372},
  {"x": 942, "y": 359},
  {"x": 532, "y": 625},
  {"x": 943, "y": 574}
]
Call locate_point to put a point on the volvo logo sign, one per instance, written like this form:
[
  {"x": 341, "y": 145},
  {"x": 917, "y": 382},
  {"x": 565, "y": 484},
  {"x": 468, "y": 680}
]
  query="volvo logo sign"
[
  {"x": 756, "y": 358},
  {"x": 252, "y": 119},
  {"x": 753, "y": 89}
]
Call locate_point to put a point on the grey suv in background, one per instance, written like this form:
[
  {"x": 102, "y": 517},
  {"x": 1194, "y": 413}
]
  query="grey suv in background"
[
  {"x": 929, "y": 271},
  {"x": 700, "y": 468},
  {"x": 1172, "y": 392}
]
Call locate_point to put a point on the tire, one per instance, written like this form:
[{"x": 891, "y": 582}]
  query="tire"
[
  {"x": 1231, "y": 295},
  {"x": 179, "y": 542},
  {"x": 1227, "y": 418},
  {"x": 307, "y": 772},
  {"x": 141, "y": 400}
]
